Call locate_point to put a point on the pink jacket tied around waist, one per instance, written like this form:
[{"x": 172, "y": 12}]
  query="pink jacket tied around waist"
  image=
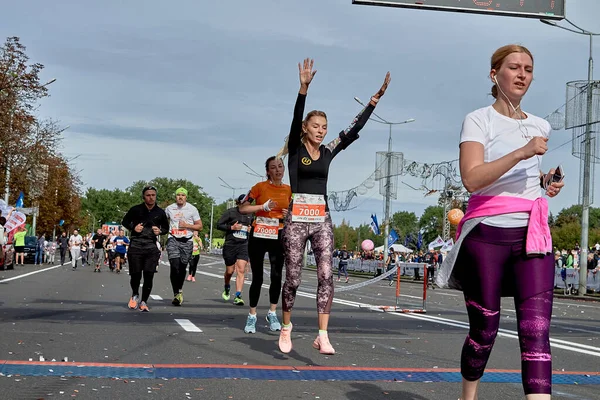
[{"x": 539, "y": 240}]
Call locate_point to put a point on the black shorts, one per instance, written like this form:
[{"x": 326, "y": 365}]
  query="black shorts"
[
  {"x": 143, "y": 260},
  {"x": 234, "y": 252},
  {"x": 19, "y": 249},
  {"x": 120, "y": 255}
]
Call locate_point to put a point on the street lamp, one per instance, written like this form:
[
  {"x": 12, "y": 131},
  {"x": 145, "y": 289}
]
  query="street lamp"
[
  {"x": 388, "y": 175},
  {"x": 587, "y": 157}
]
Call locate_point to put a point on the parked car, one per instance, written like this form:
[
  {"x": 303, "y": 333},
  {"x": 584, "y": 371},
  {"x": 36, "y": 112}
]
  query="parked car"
[
  {"x": 29, "y": 250},
  {"x": 8, "y": 262}
]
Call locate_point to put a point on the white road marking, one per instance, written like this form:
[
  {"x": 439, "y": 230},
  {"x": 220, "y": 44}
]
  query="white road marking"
[
  {"x": 556, "y": 343},
  {"x": 573, "y": 305},
  {"x": 447, "y": 294},
  {"x": 155, "y": 297},
  {"x": 32, "y": 273},
  {"x": 211, "y": 263},
  {"x": 187, "y": 325}
]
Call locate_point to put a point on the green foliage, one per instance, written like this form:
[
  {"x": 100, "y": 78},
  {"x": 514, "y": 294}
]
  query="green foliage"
[
  {"x": 432, "y": 222},
  {"x": 573, "y": 214},
  {"x": 566, "y": 235},
  {"x": 106, "y": 205},
  {"x": 353, "y": 237},
  {"x": 405, "y": 222}
]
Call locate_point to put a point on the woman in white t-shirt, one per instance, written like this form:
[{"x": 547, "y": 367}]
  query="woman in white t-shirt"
[{"x": 504, "y": 247}]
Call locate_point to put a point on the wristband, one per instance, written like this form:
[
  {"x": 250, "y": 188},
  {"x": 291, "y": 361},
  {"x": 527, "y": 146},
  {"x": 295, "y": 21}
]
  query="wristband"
[
  {"x": 265, "y": 206},
  {"x": 374, "y": 99}
]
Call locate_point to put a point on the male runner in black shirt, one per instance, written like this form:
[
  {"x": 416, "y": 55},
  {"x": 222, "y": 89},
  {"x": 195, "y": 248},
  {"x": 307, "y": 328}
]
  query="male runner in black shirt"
[
  {"x": 98, "y": 240},
  {"x": 146, "y": 222}
]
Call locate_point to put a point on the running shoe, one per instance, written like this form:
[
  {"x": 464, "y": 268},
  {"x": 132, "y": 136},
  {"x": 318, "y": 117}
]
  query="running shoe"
[
  {"x": 225, "y": 295},
  {"x": 238, "y": 301},
  {"x": 189, "y": 278},
  {"x": 285, "y": 339},
  {"x": 144, "y": 307},
  {"x": 193, "y": 279},
  {"x": 274, "y": 324},
  {"x": 134, "y": 302},
  {"x": 346, "y": 280},
  {"x": 322, "y": 344},
  {"x": 250, "y": 324},
  {"x": 178, "y": 299}
]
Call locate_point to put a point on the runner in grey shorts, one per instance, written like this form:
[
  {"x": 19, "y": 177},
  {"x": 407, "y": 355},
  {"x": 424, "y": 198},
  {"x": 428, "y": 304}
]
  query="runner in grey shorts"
[
  {"x": 184, "y": 219},
  {"x": 98, "y": 241}
]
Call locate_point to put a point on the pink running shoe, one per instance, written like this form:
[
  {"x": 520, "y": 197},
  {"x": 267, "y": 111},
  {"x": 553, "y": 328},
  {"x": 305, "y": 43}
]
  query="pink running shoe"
[
  {"x": 322, "y": 344},
  {"x": 193, "y": 279},
  {"x": 285, "y": 339},
  {"x": 189, "y": 278}
]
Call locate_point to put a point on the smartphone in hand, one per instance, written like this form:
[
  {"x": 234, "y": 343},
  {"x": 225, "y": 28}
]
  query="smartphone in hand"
[
  {"x": 548, "y": 179},
  {"x": 558, "y": 175}
]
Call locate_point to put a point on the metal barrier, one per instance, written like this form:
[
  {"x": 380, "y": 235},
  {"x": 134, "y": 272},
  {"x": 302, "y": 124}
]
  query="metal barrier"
[{"x": 572, "y": 279}]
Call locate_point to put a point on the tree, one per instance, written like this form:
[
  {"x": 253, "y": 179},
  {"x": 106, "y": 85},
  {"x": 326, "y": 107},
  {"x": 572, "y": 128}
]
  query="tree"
[
  {"x": 30, "y": 147},
  {"x": 573, "y": 214},
  {"x": 405, "y": 222},
  {"x": 431, "y": 221},
  {"x": 566, "y": 235},
  {"x": 103, "y": 205}
]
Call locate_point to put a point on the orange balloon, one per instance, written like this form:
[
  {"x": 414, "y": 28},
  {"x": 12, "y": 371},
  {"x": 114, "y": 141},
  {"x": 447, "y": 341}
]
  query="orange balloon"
[{"x": 455, "y": 215}]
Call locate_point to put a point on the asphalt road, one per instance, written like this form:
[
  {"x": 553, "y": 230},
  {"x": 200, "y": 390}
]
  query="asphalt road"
[{"x": 93, "y": 347}]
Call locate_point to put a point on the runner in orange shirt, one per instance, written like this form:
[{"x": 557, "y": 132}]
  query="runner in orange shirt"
[{"x": 272, "y": 199}]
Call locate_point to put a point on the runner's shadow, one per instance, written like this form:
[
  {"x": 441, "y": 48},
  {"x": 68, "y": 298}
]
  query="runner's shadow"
[
  {"x": 269, "y": 347},
  {"x": 369, "y": 391}
]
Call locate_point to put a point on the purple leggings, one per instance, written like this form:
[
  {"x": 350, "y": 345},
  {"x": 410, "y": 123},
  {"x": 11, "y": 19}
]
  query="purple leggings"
[
  {"x": 493, "y": 264},
  {"x": 295, "y": 235}
]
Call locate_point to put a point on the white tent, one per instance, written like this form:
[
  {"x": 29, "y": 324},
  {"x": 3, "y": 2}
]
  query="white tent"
[{"x": 397, "y": 247}]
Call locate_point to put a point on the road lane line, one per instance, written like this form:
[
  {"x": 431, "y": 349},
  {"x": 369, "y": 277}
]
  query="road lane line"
[
  {"x": 155, "y": 297},
  {"x": 211, "y": 263},
  {"x": 187, "y": 325},
  {"x": 32, "y": 273},
  {"x": 557, "y": 343}
]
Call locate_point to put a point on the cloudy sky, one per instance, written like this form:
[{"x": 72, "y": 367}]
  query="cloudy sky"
[{"x": 194, "y": 89}]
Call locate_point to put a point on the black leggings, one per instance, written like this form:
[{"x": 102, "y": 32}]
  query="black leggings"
[
  {"x": 257, "y": 247},
  {"x": 135, "y": 280},
  {"x": 194, "y": 264},
  {"x": 177, "y": 276}
]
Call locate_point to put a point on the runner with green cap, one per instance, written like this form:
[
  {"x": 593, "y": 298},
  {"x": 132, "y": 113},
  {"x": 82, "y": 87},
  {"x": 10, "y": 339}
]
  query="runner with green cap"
[{"x": 184, "y": 219}]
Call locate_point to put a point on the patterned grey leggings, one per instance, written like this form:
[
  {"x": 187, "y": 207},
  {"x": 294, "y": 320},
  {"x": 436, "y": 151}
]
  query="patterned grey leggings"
[{"x": 295, "y": 235}]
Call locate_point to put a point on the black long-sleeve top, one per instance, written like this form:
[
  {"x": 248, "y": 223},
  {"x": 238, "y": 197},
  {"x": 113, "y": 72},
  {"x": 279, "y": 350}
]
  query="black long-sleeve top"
[
  {"x": 140, "y": 214},
  {"x": 308, "y": 175},
  {"x": 230, "y": 217}
]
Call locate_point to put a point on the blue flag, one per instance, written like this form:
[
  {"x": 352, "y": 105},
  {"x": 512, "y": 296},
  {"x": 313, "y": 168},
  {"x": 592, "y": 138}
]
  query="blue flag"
[
  {"x": 392, "y": 238},
  {"x": 420, "y": 240},
  {"x": 19, "y": 203},
  {"x": 407, "y": 240},
  {"x": 374, "y": 224}
]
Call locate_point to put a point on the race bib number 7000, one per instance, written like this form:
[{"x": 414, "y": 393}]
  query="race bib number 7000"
[
  {"x": 308, "y": 208},
  {"x": 266, "y": 228}
]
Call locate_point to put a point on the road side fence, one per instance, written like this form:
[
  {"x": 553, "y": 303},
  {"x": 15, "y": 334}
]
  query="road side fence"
[
  {"x": 372, "y": 266},
  {"x": 571, "y": 278}
]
